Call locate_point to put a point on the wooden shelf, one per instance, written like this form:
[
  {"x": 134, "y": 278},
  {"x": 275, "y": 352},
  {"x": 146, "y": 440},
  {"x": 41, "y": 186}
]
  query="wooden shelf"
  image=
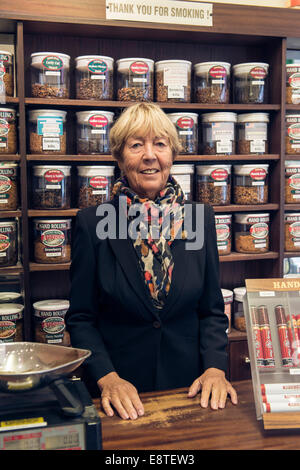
[
  {"x": 292, "y": 207},
  {"x": 180, "y": 158},
  {"x": 291, "y": 254},
  {"x": 49, "y": 267},
  {"x": 11, "y": 100},
  {"x": 7, "y": 214},
  {"x": 123, "y": 104},
  {"x": 292, "y": 157},
  {"x": 52, "y": 212},
  {"x": 16, "y": 269},
  {"x": 248, "y": 257},
  {"x": 71, "y": 158},
  {"x": 236, "y": 335},
  {"x": 10, "y": 157},
  {"x": 246, "y": 208}
]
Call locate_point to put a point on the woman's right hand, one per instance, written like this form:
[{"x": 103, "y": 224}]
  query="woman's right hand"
[{"x": 122, "y": 395}]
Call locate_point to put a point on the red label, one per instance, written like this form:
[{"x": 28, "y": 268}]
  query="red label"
[
  {"x": 219, "y": 174},
  {"x": 54, "y": 176},
  {"x": 185, "y": 122},
  {"x": 98, "y": 120},
  {"x": 259, "y": 230},
  {"x": 98, "y": 182},
  {"x": 258, "y": 174},
  {"x": 258, "y": 72},
  {"x": 139, "y": 67},
  {"x": 218, "y": 71},
  {"x": 4, "y": 242}
]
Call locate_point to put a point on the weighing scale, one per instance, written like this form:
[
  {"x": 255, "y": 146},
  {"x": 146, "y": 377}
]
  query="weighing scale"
[{"x": 40, "y": 408}]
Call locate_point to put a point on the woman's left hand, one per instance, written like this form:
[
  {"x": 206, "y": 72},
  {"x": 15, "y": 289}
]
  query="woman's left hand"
[{"x": 212, "y": 382}]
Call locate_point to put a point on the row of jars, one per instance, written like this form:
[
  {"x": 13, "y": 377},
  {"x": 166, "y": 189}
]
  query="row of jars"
[{"x": 136, "y": 77}]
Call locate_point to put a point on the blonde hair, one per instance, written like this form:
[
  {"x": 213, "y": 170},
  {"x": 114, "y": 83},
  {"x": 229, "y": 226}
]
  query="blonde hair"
[{"x": 140, "y": 120}]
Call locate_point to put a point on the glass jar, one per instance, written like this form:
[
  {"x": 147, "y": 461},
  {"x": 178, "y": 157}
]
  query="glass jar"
[
  {"x": 184, "y": 174},
  {"x": 292, "y": 231},
  {"x": 187, "y": 130},
  {"x": 292, "y": 135},
  {"x": 50, "y": 75},
  {"x": 8, "y": 243},
  {"x": 212, "y": 82},
  {"x": 52, "y": 240},
  {"x": 48, "y": 134},
  {"x": 11, "y": 322},
  {"x": 6, "y": 74},
  {"x": 252, "y": 133},
  {"x": 94, "y": 185},
  {"x": 135, "y": 79},
  {"x": 173, "y": 81},
  {"x": 238, "y": 308},
  {"x": 49, "y": 321},
  {"x": 292, "y": 181},
  {"x": 218, "y": 133},
  {"x": 8, "y": 131},
  {"x": 9, "y": 199},
  {"x": 293, "y": 83},
  {"x": 250, "y": 184},
  {"x": 214, "y": 184},
  {"x": 51, "y": 187},
  {"x": 250, "y": 83},
  {"x": 228, "y": 298},
  {"x": 251, "y": 233},
  {"x": 94, "y": 77},
  {"x": 93, "y": 132},
  {"x": 223, "y": 231}
]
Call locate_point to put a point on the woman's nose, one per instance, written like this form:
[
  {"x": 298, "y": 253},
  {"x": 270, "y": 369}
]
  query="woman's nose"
[{"x": 149, "y": 150}]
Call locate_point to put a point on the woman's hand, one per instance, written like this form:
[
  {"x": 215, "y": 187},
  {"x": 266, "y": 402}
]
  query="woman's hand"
[
  {"x": 213, "y": 383},
  {"x": 122, "y": 395}
]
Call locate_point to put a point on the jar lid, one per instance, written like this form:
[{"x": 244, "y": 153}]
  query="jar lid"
[
  {"x": 293, "y": 63},
  {"x": 290, "y": 116},
  {"x": 246, "y": 67},
  {"x": 84, "y": 116},
  {"x": 239, "y": 293},
  {"x": 52, "y": 221},
  {"x": 219, "y": 117},
  {"x": 6, "y": 52},
  {"x": 5, "y": 296},
  {"x": 292, "y": 163},
  {"x": 224, "y": 217},
  {"x": 96, "y": 170},
  {"x": 182, "y": 169},
  {"x": 8, "y": 223},
  {"x": 8, "y": 309},
  {"x": 227, "y": 295},
  {"x": 206, "y": 66},
  {"x": 176, "y": 116},
  {"x": 162, "y": 63},
  {"x": 84, "y": 61},
  {"x": 253, "y": 117},
  {"x": 245, "y": 170},
  {"x": 10, "y": 110},
  {"x": 207, "y": 169},
  {"x": 124, "y": 64},
  {"x": 39, "y": 170},
  {"x": 244, "y": 218},
  {"x": 36, "y": 113},
  {"x": 289, "y": 215},
  {"x": 52, "y": 304},
  {"x": 8, "y": 164}
]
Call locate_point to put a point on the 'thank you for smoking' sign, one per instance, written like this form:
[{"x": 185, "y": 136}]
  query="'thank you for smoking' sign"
[{"x": 160, "y": 11}]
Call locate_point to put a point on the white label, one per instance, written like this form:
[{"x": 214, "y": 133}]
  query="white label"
[
  {"x": 257, "y": 82},
  {"x": 53, "y": 186},
  {"x": 224, "y": 147},
  {"x": 257, "y": 146},
  {"x": 267, "y": 293},
  {"x": 220, "y": 183},
  {"x": 176, "y": 76},
  {"x": 160, "y": 11},
  {"x": 53, "y": 73},
  {"x": 3, "y": 201},
  {"x": 98, "y": 131},
  {"x": 53, "y": 254},
  {"x": 139, "y": 80},
  {"x": 51, "y": 143},
  {"x": 185, "y": 132},
  {"x": 98, "y": 77},
  {"x": 218, "y": 81},
  {"x": 99, "y": 191},
  {"x": 175, "y": 91},
  {"x": 260, "y": 245},
  {"x": 294, "y": 371},
  {"x": 257, "y": 183}
]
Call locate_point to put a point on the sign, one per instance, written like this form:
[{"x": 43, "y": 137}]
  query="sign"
[{"x": 160, "y": 11}]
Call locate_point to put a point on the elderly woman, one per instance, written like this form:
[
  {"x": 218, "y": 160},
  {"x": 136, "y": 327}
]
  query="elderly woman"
[{"x": 150, "y": 310}]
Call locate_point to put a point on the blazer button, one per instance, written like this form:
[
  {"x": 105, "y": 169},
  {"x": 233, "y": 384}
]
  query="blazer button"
[{"x": 156, "y": 324}]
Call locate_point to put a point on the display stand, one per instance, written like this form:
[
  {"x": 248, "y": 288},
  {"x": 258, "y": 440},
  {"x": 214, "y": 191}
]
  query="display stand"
[{"x": 272, "y": 311}]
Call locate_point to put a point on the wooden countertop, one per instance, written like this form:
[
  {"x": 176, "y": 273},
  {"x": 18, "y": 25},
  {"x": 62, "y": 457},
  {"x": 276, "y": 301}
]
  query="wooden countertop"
[{"x": 173, "y": 421}]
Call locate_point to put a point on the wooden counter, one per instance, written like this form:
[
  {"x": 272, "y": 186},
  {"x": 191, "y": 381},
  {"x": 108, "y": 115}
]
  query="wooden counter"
[{"x": 173, "y": 421}]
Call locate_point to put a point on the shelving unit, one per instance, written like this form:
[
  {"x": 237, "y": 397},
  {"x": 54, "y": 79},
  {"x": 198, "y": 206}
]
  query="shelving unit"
[{"x": 240, "y": 34}]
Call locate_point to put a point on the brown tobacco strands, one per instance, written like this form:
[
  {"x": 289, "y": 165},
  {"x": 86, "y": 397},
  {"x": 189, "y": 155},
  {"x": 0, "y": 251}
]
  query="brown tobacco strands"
[
  {"x": 265, "y": 331},
  {"x": 257, "y": 337},
  {"x": 286, "y": 353}
]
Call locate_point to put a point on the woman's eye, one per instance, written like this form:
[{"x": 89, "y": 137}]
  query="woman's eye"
[
  {"x": 136, "y": 145},
  {"x": 160, "y": 144}
]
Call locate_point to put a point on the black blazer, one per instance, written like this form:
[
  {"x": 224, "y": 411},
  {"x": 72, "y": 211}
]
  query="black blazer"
[{"x": 111, "y": 312}]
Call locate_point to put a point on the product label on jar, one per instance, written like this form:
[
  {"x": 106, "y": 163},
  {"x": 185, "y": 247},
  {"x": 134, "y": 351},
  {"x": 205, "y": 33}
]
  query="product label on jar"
[
  {"x": 7, "y": 331},
  {"x": 222, "y": 131},
  {"x": 5, "y": 184},
  {"x": 53, "y": 238},
  {"x": 2, "y": 70},
  {"x": 98, "y": 122},
  {"x": 4, "y": 128},
  {"x": 54, "y": 226},
  {"x": 218, "y": 74},
  {"x": 223, "y": 231},
  {"x": 97, "y": 67},
  {"x": 258, "y": 74},
  {"x": 176, "y": 78},
  {"x": 4, "y": 58},
  {"x": 294, "y": 183},
  {"x": 294, "y": 79},
  {"x": 4, "y": 244},
  {"x": 51, "y": 143},
  {"x": 294, "y": 230},
  {"x": 50, "y": 126},
  {"x": 53, "y": 179},
  {"x": 52, "y": 62},
  {"x": 258, "y": 176},
  {"x": 53, "y": 325},
  {"x": 185, "y": 125},
  {"x": 259, "y": 230},
  {"x": 219, "y": 176},
  {"x": 99, "y": 184}
]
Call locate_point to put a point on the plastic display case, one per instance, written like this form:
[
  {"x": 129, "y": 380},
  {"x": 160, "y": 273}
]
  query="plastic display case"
[{"x": 272, "y": 312}]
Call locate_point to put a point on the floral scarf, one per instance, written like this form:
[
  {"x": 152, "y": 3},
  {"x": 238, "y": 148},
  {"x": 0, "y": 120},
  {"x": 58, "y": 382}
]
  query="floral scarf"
[{"x": 163, "y": 218}]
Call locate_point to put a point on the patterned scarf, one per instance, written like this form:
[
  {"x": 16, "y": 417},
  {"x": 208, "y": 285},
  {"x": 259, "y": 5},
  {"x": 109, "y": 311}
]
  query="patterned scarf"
[{"x": 162, "y": 220}]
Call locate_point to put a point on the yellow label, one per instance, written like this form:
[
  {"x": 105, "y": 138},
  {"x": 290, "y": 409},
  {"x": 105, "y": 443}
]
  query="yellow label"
[{"x": 21, "y": 422}]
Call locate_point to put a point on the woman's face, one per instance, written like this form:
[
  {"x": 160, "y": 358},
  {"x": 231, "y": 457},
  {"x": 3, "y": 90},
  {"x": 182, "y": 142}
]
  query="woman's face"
[{"x": 146, "y": 163}]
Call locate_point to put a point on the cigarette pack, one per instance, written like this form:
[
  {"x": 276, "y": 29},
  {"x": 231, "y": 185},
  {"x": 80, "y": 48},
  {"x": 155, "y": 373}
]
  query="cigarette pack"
[{"x": 272, "y": 312}]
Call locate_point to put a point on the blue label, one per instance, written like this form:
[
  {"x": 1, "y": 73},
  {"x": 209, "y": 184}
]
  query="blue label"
[{"x": 49, "y": 125}]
